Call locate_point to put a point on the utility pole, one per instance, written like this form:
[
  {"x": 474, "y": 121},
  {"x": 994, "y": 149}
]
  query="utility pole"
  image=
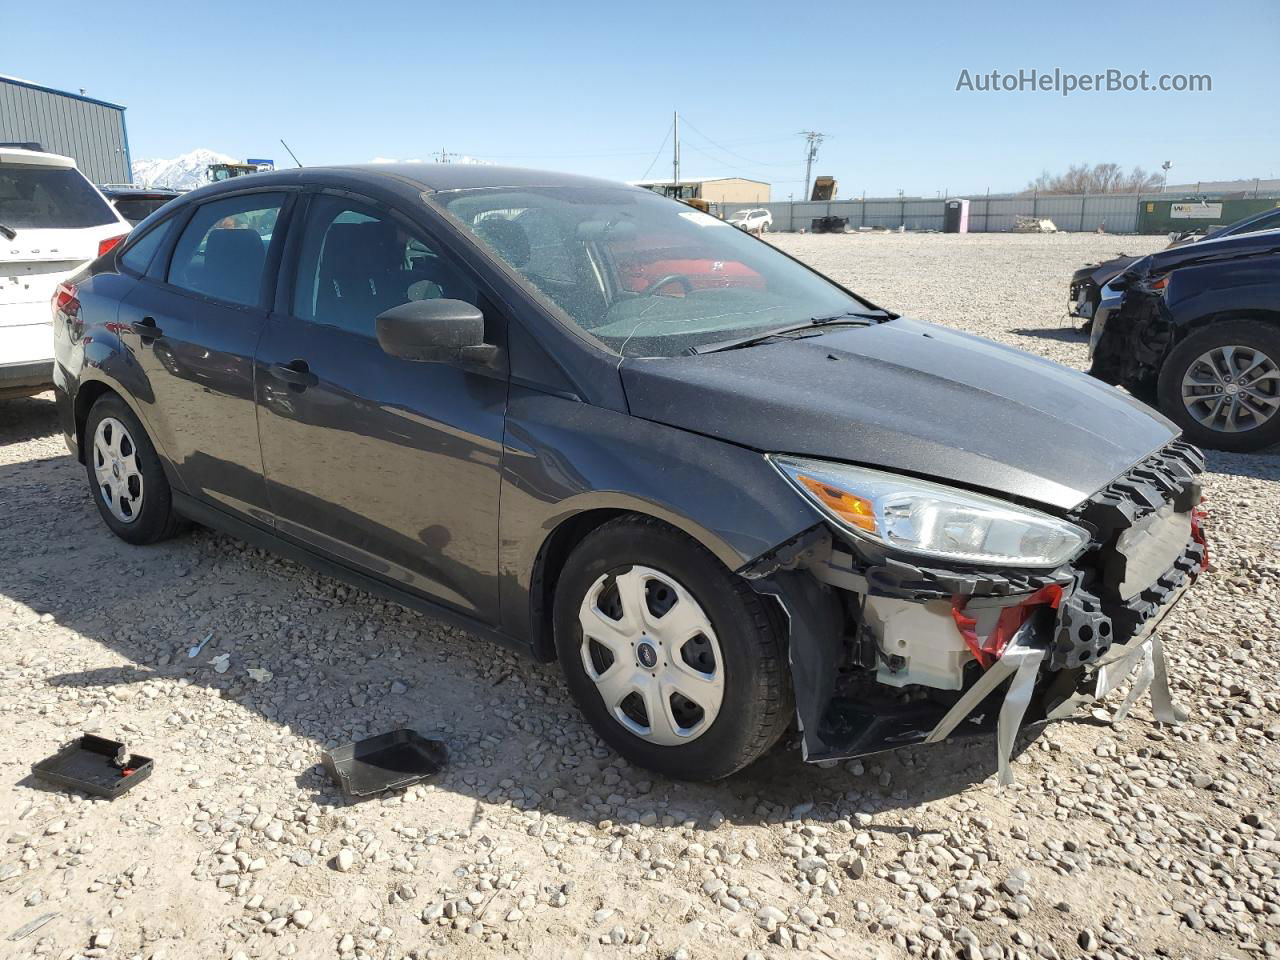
[
  {"x": 813, "y": 138},
  {"x": 675, "y": 155},
  {"x": 444, "y": 156}
]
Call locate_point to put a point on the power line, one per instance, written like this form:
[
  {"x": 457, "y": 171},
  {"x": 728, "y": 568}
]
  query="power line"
[
  {"x": 721, "y": 162},
  {"x": 559, "y": 156},
  {"x": 732, "y": 153},
  {"x": 658, "y": 154}
]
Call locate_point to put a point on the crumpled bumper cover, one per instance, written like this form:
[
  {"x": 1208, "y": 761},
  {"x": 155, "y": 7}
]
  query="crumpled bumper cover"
[{"x": 1059, "y": 658}]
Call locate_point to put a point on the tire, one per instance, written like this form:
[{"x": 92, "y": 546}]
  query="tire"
[
  {"x": 114, "y": 437},
  {"x": 745, "y": 651},
  {"x": 1261, "y": 343}
]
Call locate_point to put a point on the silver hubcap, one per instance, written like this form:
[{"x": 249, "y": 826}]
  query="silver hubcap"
[
  {"x": 653, "y": 656},
  {"x": 115, "y": 465},
  {"x": 1232, "y": 389}
]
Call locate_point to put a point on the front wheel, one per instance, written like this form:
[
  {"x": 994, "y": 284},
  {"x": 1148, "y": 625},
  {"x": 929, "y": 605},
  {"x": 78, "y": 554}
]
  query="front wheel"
[
  {"x": 1222, "y": 385},
  {"x": 676, "y": 663}
]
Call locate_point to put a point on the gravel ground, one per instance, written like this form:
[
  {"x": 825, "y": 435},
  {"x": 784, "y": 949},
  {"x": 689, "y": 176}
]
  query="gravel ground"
[{"x": 1127, "y": 841}]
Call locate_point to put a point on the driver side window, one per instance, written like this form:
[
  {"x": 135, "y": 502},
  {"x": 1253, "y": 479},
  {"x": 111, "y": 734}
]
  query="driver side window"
[{"x": 357, "y": 260}]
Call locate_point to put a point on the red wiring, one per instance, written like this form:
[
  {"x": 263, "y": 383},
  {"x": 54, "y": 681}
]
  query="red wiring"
[{"x": 1011, "y": 618}]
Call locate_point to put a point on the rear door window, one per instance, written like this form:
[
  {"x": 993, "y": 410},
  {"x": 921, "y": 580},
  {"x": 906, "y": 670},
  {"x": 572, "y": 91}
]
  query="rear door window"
[
  {"x": 40, "y": 197},
  {"x": 222, "y": 252}
]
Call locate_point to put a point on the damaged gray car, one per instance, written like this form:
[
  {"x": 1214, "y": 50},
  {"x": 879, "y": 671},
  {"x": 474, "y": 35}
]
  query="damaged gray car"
[{"x": 728, "y": 495}]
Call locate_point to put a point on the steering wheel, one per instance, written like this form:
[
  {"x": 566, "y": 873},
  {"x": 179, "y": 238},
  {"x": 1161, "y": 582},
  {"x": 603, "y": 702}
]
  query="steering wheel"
[{"x": 658, "y": 284}]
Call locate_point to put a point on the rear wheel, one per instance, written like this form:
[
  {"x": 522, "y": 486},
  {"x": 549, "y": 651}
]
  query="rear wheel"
[
  {"x": 125, "y": 475},
  {"x": 1222, "y": 385},
  {"x": 676, "y": 663}
]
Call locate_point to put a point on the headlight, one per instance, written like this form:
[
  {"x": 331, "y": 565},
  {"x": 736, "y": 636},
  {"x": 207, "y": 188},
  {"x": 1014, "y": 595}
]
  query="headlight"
[{"x": 915, "y": 516}]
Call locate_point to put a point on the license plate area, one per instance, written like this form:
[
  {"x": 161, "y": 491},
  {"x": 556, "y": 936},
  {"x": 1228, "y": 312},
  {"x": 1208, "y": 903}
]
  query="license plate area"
[{"x": 31, "y": 281}]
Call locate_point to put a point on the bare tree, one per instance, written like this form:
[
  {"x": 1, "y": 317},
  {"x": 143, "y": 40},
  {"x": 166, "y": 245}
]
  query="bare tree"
[{"x": 1099, "y": 178}]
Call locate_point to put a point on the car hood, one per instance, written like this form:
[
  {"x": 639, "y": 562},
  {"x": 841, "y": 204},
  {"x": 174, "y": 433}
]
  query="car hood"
[
  {"x": 1104, "y": 272},
  {"x": 910, "y": 397}
]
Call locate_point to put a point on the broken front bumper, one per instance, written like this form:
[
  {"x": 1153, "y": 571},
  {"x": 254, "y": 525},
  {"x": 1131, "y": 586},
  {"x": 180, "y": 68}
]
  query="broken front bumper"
[{"x": 1008, "y": 648}]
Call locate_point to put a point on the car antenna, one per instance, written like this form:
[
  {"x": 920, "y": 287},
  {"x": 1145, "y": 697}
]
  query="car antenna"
[{"x": 291, "y": 153}]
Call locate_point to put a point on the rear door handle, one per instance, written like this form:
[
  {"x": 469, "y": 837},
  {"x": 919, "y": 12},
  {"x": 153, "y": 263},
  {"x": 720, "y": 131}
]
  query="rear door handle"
[
  {"x": 295, "y": 372},
  {"x": 146, "y": 328}
]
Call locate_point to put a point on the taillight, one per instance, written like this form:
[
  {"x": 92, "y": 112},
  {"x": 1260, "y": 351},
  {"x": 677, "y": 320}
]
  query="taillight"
[
  {"x": 105, "y": 246},
  {"x": 65, "y": 301}
]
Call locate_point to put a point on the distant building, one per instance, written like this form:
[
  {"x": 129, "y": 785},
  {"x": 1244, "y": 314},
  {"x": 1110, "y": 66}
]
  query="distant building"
[
  {"x": 710, "y": 189},
  {"x": 1246, "y": 187},
  {"x": 88, "y": 130}
]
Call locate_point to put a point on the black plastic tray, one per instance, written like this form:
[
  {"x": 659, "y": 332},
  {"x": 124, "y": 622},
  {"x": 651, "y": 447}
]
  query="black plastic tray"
[
  {"x": 88, "y": 764},
  {"x": 389, "y": 761}
]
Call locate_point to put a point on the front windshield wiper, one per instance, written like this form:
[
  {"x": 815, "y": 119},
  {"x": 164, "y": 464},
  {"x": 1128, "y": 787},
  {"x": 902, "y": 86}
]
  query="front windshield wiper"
[
  {"x": 8, "y": 231},
  {"x": 853, "y": 318}
]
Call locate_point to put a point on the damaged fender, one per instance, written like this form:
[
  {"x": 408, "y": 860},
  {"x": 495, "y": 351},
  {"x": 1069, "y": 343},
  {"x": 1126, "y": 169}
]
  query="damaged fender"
[{"x": 886, "y": 653}]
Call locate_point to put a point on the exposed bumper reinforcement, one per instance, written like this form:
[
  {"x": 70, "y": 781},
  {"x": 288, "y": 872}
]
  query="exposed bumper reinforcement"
[{"x": 1146, "y": 651}]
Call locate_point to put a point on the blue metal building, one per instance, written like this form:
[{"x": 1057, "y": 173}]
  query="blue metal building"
[{"x": 90, "y": 130}]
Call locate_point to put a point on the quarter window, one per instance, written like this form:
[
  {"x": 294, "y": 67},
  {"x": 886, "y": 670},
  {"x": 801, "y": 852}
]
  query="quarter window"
[
  {"x": 139, "y": 254},
  {"x": 357, "y": 261},
  {"x": 222, "y": 252}
]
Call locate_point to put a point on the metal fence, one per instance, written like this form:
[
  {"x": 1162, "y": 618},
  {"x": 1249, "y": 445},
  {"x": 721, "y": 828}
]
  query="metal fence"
[{"x": 1116, "y": 213}]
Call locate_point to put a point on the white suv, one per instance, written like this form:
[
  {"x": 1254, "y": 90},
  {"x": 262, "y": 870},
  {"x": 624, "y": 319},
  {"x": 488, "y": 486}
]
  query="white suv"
[
  {"x": 52, "y": 222},
  {"x": 753, "y": 221}
]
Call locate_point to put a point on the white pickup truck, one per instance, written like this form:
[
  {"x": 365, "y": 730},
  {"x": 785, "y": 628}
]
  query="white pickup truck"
[{"x": 52, "y": 222}]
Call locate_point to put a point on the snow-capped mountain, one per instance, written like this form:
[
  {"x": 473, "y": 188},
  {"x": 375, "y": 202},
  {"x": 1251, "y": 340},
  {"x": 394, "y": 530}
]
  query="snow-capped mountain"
[
  {"x": 189, "y": 170},
  {"x": 181, "y": 173}
]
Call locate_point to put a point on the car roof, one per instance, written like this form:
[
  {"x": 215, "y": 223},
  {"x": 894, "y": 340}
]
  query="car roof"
[
  {"x": 432, "y": 177},
  {"x": 17, "y": 155},
  {"x": 1240, "y": 226}
]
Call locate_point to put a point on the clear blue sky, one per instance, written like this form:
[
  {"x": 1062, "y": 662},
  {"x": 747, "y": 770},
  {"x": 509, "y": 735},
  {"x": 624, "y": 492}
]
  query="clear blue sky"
[{"x": 590, "y": 87}]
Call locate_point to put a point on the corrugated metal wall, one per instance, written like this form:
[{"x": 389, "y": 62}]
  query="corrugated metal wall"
[
  {"x": 1118, "y": 212},
  {"x": 89, "y": 130}
]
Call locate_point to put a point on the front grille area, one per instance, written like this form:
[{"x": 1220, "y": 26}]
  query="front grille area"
[{"x": 1094, "y": 615}]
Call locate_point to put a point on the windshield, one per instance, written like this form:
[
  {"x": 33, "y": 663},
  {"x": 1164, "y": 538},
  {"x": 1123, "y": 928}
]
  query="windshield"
[
  {"x": 43, "y": 197},
  {"x": 646, "y": 276}
]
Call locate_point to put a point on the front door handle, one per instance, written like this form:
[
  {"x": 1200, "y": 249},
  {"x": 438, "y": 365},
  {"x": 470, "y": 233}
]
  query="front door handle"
[
  {"x": 146, "y": 328},
  {"x": 295, "y": 373}
]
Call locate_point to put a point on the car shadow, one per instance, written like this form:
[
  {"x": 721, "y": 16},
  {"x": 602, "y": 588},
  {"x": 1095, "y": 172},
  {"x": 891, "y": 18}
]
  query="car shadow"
[
  {"x": 1259, "y": 465},
  {"x": 1061, "y": 334},
  {"x": 342, "y": 665},
  {"x": 28, "y": 418}
]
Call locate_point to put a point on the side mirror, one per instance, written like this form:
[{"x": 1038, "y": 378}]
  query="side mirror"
[{"x": 434, "y": 331}]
